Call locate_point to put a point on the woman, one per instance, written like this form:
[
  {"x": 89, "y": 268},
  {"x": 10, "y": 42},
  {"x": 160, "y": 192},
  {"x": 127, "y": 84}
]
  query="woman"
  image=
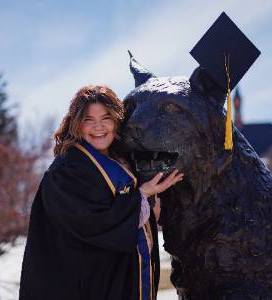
[{"x": 88, "y": 235}]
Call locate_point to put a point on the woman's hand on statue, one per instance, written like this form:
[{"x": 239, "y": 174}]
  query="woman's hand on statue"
[{"x": 153, "y": 186}]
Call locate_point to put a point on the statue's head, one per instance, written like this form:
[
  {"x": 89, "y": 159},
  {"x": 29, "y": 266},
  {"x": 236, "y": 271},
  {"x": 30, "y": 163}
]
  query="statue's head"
[{"x": 173, "y": 122}]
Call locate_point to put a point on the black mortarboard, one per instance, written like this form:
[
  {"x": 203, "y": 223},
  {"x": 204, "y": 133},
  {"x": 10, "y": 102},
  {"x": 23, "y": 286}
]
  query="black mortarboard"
[{"x": 225, "y": 38}]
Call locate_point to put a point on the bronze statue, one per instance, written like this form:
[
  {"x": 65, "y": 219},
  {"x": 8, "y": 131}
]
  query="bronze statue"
[{"x": 217, "y": 223}]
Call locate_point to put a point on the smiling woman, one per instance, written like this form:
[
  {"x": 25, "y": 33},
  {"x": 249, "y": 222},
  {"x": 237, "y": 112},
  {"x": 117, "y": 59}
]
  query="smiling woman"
[
  {"x": 98, "y": 127},
  {"x": 95, "y": 115},
  {"x": 91, "y": 232}
]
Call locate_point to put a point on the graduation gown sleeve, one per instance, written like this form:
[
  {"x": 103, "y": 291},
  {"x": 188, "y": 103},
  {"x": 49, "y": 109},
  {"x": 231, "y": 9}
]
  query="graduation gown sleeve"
[{"x": 77, "y": 199}]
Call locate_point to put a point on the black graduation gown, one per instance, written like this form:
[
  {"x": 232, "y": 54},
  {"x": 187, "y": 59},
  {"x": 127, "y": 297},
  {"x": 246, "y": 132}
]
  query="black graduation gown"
[{"x": 82, "y": 241}]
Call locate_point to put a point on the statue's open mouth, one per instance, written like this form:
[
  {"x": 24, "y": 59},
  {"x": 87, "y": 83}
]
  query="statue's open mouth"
[{"x": 149, "y": 162}]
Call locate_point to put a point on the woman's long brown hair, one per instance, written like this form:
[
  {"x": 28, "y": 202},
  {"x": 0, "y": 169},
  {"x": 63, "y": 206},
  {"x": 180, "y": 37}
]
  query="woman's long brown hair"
[{"x": 69, "y": 133}]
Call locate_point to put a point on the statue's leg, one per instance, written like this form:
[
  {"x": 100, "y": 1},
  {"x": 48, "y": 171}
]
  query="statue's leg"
[
  {"x": 237, "y": 297},
  {"x": 181, "y": 294},
  {"x": 224, "y": 296},
  {"x": 241, "y": 296}
]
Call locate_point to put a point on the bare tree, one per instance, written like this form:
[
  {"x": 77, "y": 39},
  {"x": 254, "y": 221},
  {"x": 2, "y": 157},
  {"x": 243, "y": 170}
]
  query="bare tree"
[{"x": 20, "y": 174}]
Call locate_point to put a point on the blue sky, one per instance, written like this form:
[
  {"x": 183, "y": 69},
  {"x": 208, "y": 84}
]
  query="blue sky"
[{"x": 49, "y": 49}]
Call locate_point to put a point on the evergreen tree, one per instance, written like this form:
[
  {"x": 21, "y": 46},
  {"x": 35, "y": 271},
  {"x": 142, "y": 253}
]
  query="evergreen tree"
[{"x": 8, "y": 125}]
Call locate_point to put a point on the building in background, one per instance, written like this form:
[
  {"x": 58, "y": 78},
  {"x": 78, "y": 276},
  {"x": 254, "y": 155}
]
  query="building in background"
[{"x": 259, "y": 135}]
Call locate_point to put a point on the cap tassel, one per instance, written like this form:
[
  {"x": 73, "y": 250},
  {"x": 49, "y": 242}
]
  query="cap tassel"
[{"x": 228, "y": 130}]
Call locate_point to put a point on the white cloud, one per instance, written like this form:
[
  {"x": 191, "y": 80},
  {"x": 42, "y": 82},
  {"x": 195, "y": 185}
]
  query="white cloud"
[
  {"x": 161, "y": 42},
  {"x": 61, "y": 36}
]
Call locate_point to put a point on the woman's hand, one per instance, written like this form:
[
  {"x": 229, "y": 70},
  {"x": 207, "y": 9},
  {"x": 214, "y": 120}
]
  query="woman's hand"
[{"x": 153, "y": 186}]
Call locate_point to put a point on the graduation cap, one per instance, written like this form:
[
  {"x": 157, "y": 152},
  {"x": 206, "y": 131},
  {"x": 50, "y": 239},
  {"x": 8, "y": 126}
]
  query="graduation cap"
[{"x": 226, "y": 54}]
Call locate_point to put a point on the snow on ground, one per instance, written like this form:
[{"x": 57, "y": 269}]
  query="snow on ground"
[
  {"x": 10, "y": 270},
  {"x": 11, "y": 262},
  {"x": 167, "y": 295},
  {"x": 164, "y": 256}
]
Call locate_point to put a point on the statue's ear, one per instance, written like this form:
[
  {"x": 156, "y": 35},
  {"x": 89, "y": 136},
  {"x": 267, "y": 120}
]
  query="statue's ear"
[
  {"x": 141, "y": 75},
  {"x": 203, "y": 83}
]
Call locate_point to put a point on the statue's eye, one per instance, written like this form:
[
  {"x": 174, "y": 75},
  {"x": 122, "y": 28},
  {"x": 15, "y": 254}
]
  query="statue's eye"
[{"x": 170, "y": 108}]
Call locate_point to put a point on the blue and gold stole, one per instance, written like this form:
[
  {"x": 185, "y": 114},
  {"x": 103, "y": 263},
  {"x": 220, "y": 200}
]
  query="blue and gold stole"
[{"x": 120, "y": 180}]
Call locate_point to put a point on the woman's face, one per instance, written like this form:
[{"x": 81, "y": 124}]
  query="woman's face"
[{"x": 98, "y": 127}]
